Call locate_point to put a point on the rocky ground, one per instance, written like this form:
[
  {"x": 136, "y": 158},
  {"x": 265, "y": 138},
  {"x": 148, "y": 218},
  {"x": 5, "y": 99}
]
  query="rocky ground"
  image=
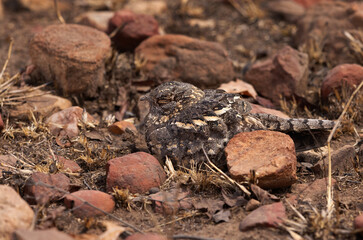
[{"x": 74, "y": 163}]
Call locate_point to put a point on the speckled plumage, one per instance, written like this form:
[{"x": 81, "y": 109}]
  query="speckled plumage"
[{"x": 184, "y": 118}]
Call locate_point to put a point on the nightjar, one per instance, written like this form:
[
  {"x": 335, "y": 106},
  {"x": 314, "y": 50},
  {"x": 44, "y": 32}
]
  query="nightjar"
[{"x": 183, "y": 119}]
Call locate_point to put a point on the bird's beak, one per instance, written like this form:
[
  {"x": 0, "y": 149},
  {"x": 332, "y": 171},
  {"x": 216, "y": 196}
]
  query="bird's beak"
[{"x": 145, "y": 97}]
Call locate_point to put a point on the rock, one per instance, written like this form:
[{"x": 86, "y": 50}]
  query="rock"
[
  {"x": 131, "y": 29},
  {"x": 341, "y": 159},
  {"x": 324, "y": 25},
  {"x": 6, "y": 160},
  {"x": 259, "y": 109},
  {"x": 120, "y": 127},
  {"x": 40, "y": 5},
  {"x": 65, "y": 122},
  {"x": 95, "y": 19},
  {"x": 137, "y": 172},
  {"x": 46, "y": 234},
  {"x": 146, "y": 236},
  {"x": 270, "y": 154},
  {"x": 309, "y": 3},
  {"x": 14, "y": 211},
  {"x": 267, "y": 216},
  {"x": 311, "y": 191},
  {"x": 348, "y": 75},
  {"x": 252, "y": 205},
  {"x": 239, "y": 87},
  {"x": 289, "y": 10},
  {"x": 151, "y": 7},
  {"x": 358, "y": 223},
  {"x": 43, "y": 105},
  {"x": 98, "y": 199},
  {"x": 72, "y": 56},
  {"x": 283, "y": 74},
  {"x": 170, "y": 202},
  {"x": 1, "y": 124},
  {"x": 38, "y": 194},
  {"x": 177, "y": 57},
  {"x": 67, "y": 165}
]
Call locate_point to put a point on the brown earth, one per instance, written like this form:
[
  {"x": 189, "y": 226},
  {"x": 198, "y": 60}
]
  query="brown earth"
[{"x": 247, "y": 39}]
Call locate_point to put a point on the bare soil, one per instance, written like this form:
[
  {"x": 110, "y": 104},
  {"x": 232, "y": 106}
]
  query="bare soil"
[{"x": 247, "y": 39}]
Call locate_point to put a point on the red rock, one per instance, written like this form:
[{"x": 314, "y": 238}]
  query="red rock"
[
  {"x": 267, "y": 216},
  {"x": 309, "y": 3},
  {"x": 270, "y": 154},
  {"x": 6, "y": 160},
  {"x": 43, "y": 105},
  {"x": 170, "y": 57},
  {"x": 170, "y": 202},
  {"x": 289, "y": 10},
  {"x": 96, "y": 19},
  {"x": 133, "y": 29},
  {"x": 324, "y": 25},
  {"x": 311, "y": 191},
  {"x": 72, "y": 56},
  {"x": 14, "y": 211},
  {"x": 1, "y": 124},
  {"x": 283, "y": 74},
  {"x": 349, "y": 75},
  {"x": 120, "y": 127},
  {"x": 252, "y": 205},
  {"x": 37, "y": 194},
  {"x": 68, "y": 165},
  {"x": 146, "y": 236},
  {"x": 101, "y": 200},
  {"x": 46, "y": 234},
  {"x": 137, "y": 172},
  {"x": 358, "y": 223},
  {"x": 65, "y": 122},
  {"x": 259, "y": 109},
  {"x": 151, "y": 7},
  {"x": 239, "y": 87},
  {"x": 342, "y": 160}
]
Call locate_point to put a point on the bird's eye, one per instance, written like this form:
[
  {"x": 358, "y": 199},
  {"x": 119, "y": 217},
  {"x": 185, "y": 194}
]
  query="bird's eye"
[{"x": 163, "y": 101}]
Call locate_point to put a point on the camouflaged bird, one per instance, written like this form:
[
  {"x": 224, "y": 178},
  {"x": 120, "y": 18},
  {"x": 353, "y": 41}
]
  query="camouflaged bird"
[{"x": 183, "y": 119}]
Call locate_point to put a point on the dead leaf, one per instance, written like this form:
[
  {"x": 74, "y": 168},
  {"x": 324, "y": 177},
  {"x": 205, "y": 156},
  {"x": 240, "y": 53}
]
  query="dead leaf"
[
  {"x": 211, "y": 206},
  {"x": 263, "y": 196},
  {"x": 239, "y": 87},
  {"x": 233, "y": 200},
  {"x": 94, "y": 135}
]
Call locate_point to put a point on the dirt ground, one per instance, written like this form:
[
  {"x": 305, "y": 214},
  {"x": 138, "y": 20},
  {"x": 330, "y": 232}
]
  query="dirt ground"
[{"x": 247, "y": 39}]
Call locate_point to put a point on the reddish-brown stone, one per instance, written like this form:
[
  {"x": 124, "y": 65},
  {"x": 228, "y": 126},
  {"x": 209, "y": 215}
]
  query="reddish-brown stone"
[
  {"x": 72, "y": 56},
  {"x": 348, "y": 75},
  {"x": 14, "y": 211},
  {"x": 46, "y": 234},
  {"x": 68, "y": 165},
  {"x": 358, "y": 223},
  {"x": 137, "y": 172},
  {"x": 77, "y": 202},
  {"x": 1, "y": 124},
  {"x": 311, "y": 191},
  {"x": 6, "y": 161},
  {"x": 259, "y": 109},
  {"x": 267, "y": 216},
  {"x": 309, "y": 3},
  {"x": 270, "y": 154},
  {"x": 96, "y": 19},
  {"x": 65, "y": 122},
  {"x": 35, "y": 193},
  {"x": 324, "y": 26},
  {"x": 146, "y": 236},
  {"x": 177, "y": 57},
  {"x": 285, "y": 74},
  {"x": 120, "y": 127},
  {"x": 131, "y": 29}
]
